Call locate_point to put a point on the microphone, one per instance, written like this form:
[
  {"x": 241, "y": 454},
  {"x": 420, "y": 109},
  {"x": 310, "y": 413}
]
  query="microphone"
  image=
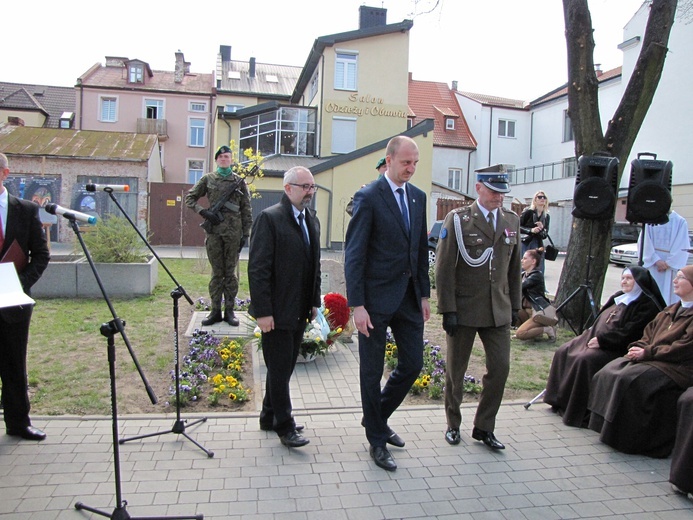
[
  {"x": 54, "y": 209},
  {"x": 107, "y": 187}
]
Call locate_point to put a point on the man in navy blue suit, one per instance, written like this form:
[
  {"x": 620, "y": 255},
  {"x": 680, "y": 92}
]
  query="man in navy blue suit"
[{"x": 386, "y": 269}]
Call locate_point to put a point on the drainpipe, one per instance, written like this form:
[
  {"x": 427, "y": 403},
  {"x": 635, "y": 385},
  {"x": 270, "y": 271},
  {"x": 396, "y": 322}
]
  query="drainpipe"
[
  {"x": 490, "y": 137},
  {"x": 328, "y": 241},
  {"x": 81, "y": 103}
]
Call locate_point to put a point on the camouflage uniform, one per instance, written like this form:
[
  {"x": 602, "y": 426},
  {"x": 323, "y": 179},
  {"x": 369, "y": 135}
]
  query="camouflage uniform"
[{"x": 223, "y": 243}]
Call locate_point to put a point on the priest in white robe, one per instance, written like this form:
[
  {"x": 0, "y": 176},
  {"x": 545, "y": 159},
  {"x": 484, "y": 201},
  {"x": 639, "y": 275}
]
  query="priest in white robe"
[{"x": 665, "y": 252}]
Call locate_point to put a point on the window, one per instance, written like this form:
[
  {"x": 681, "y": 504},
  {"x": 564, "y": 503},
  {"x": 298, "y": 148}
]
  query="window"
[
  {"x": 136, "y": 73},
  {"x": 231, "y": 108},
  {"x": 506, "y": 128},
  {"x": 287, "y": 131},
  {"x": 197, "y": 132},
  {"x": 67, "y": 120},
  {"x": 567, "y": 127},
  {"x": 455, "y": 179},
  {"x": 109, "y": 109},
  {"x": 154, "y": 108},
  {"x": 449, "y": 123},
  {"x": 196, "y": 106},
  {"x": 196, "y": 169},
  {"x": 569, "y": 167},
  {"x": 343, "y": 134},
  {"x": 345, "y": 71},
  {"x": 313, "y": 86}
]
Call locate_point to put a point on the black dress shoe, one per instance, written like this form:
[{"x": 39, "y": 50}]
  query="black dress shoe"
[
  {"x": 28, "y": 432},
  {"x": 212, "y": 318},
  {"x": 230, "y": 318},
  {"x": 382, "y": 458},
  {"x": 293, "y": 439},
  {"x": 395, "y": 440},
  {"x": 452, "y": 436},
  {"x": 487, "y": 438},
  {"x": 269, "y": 428}
]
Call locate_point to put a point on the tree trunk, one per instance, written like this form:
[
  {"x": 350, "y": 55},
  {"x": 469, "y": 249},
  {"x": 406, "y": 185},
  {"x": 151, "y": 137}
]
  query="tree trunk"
[{"x": 589, "y": 245}]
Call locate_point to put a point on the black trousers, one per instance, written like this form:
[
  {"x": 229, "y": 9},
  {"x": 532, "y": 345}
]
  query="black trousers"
[
  {"x": 378, "y": 404},
  {"x": 13, "y": 347},
  {"x": 280, "y": 351}
]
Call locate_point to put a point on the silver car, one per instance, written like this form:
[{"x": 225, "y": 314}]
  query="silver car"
[{"x": 627, "y": 254}]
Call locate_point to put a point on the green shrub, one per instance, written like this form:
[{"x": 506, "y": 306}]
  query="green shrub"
[{"x": 114, "y": 241}]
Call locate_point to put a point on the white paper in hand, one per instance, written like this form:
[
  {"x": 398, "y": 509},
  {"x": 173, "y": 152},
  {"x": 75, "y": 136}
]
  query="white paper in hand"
[{"x": 11, "y": 293}]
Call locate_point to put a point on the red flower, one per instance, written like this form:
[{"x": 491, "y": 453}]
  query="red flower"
[{"x": 338, "y": 310}]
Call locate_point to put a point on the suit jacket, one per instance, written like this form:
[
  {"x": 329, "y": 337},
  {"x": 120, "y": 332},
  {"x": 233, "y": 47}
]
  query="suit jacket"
[
  {"x": 24, "y": 226},
  {"x": 483, "y": 296},
  {"x": 283, "y": 275},
  {"x": 380, "y": 257}
]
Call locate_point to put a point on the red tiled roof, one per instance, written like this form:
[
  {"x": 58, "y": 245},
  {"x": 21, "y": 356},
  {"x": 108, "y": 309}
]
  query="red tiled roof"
[
  {"x": 495, "y": 100},
  {"x": 433, "y": 100},
  {"x": 113, "y": 76}
]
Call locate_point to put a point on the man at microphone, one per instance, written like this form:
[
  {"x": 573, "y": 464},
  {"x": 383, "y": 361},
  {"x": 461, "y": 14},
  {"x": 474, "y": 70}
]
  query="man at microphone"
[
  {"x": 21, "y": 238},
  {"x": 230, "y": 228}
]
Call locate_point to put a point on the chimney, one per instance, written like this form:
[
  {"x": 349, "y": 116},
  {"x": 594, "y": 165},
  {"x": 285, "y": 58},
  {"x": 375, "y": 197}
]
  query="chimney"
[
  {"x": 454, "y": 84},
  {"x": 225, "y": 51},
  {"x": 372, "y": 17},
  {"x": 598, "y": 69},
  {"x": 251, "y": 70},
  {"x": 179, "y": 71}
]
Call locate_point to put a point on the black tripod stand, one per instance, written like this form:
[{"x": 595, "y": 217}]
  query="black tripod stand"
[
  {"x": 109, "y": 330},
  {"x": 586, "y": 286},
  {"x": 179, "y": 425}
]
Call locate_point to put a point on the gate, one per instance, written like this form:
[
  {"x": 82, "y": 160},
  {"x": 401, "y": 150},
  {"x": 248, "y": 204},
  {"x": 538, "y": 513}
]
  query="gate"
[{"x": 171, "y": 222}]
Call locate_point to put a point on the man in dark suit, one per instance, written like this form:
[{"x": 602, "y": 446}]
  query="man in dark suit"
[
  {"x": 479, "y": 286},
  {"x": 386, "y": 268},
  {"x": 284, "y": 279},
  {"x": 21, "y": 229}
]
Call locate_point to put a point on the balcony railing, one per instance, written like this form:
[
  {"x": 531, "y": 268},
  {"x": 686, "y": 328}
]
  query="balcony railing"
[
  {"x": 153, "y": 126},
  {"x": 545, "y": 172}
]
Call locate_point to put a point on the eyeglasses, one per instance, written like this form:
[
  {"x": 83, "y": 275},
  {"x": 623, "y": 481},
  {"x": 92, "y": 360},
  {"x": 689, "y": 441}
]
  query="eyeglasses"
[
  {"x": 305, "y": 187},
  {"x": 541, "y": 196},
  {"x": 680, "y": 277}
]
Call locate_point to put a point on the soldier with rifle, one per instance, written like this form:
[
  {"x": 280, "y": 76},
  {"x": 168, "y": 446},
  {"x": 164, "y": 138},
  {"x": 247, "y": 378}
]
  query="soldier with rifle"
[{"x": 227, "y": 226}]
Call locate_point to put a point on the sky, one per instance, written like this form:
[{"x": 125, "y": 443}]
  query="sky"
[{"x": 507, "y": 48}]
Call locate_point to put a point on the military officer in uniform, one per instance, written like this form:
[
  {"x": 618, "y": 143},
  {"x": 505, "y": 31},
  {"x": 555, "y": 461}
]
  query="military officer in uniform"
[
  {"x": 478, "y": 281},
  {"x": 229, "y": 231}
]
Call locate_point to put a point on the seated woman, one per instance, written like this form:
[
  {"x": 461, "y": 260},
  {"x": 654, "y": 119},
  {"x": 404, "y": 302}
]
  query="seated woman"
[
  {"x": 633, "y": 398},
  {"x": 533, "y": 297},
  {"x": 620, "y": 321},
  {"x": 681, "y": 476}
]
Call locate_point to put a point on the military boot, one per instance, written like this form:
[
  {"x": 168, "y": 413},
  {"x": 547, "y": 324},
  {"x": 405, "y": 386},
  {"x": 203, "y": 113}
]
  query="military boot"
[
  {"x": 212, "y": 318},
  {"x": 230, "y": 318}
]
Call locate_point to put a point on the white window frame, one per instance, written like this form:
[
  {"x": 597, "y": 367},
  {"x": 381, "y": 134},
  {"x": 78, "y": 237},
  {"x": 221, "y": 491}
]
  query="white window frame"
[
  {"x": 158, "y": 103},
  {"x": 449, "y": 123},
  {"x": 507, "y": 128},
  {"x": 197, "y": 106},
  {"x": 136, "y": 73},
  {"x": 455, "y": 178},
  {"x": 194, "y": 130},
  {"x": 102, "y": 101},
  {"x": 231, "y": 108},
  {"x": 567, "y": 128},
  {"x": 314, "y": 85},
  {"x": 346, "y": 70},
  {"x": 343, "y": 134},
  {"x": 194, "y": 174}
]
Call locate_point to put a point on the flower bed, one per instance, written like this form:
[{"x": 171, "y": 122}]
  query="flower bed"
[{"x": 213, "y": 368}]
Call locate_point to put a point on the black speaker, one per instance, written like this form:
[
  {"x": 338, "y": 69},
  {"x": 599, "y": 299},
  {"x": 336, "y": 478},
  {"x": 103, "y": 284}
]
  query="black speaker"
[
  {"x": 596, "y": 185},
  {"x": 649, "y": 192}
]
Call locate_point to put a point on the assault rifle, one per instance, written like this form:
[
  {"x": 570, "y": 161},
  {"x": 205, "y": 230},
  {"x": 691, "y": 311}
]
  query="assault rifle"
[{"x": 224, "y": 202}]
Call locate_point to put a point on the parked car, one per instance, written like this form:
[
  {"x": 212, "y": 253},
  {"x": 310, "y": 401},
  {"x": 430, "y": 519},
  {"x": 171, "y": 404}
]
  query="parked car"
[
  {"x": 624, "y": 233},
  {"x": 433, "y": 235},
  {"x": 627, "y": 254}
]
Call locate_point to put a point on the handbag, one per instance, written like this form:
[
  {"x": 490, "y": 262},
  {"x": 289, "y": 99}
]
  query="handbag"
[
  {"x": 546, "y": 317},
  {"x": 550, "y": 251}
]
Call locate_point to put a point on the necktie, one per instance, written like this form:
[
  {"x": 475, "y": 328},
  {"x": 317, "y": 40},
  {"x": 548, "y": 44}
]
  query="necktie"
[
  {"x": 403, "y": 207},
  {"x": 491, "y": 221},
  {"x": 2, "y": 234},
  {"x": 306, "y": 240}
]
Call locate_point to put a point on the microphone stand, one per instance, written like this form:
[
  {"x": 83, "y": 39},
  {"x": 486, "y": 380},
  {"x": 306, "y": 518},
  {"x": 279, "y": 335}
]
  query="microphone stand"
[
  {"x": 109, "y": 330},
  {"x": 179, "y": 425}
]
